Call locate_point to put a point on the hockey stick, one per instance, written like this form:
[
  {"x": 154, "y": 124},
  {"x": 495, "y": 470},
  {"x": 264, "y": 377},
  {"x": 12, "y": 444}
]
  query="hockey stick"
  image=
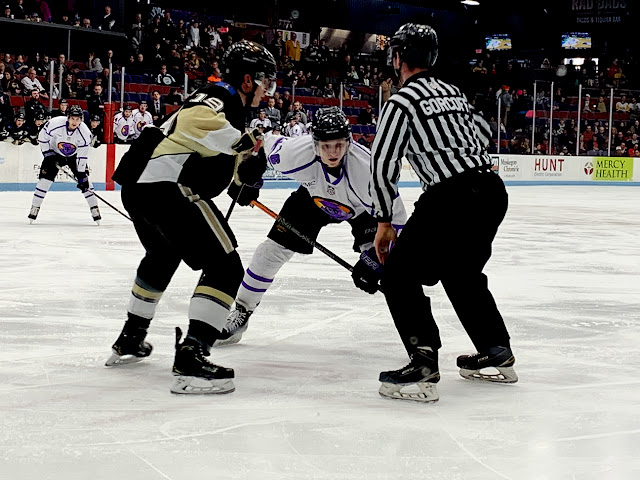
[
  {"x": 292, "y": 229},
  {"x": 72, "y": 177}
]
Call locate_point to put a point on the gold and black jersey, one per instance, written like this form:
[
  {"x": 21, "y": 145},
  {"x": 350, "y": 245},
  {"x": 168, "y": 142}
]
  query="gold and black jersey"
[{"x": 192, "y": 147}]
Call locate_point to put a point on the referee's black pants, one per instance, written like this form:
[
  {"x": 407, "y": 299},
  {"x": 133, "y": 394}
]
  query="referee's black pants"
[{"x": 448, "y": 239}]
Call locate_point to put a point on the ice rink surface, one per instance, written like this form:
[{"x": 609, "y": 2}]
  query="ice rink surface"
[{"x": 565, "y": 273}]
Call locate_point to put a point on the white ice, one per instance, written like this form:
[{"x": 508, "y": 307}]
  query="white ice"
[{"x": 565, "y": 273}]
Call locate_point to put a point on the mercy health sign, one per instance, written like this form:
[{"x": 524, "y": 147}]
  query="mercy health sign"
[
  {"x": 20, "y": 165},
  {"x": 548, "y": 169}
]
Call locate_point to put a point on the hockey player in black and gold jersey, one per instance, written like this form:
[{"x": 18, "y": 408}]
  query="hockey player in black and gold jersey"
[{"x": 168, "y": 178}]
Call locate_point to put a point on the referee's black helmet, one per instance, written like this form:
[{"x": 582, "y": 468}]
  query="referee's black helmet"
[{"x": 416, "y": 44}]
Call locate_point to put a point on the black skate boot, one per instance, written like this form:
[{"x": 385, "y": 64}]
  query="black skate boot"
[
  {"x": 130, "y": 346},
  {"x": 194, "y": 373},
  {"x": 417, "y": 381},
  {"x": 499, "y": 358},
  {"x": 95, "y": 214},
  {"x": 236, "y": 325},
  {"x": 33, "y": 214}
]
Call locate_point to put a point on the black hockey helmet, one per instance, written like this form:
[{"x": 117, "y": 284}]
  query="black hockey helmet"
[
  {"x": 330, "y": 124},
  {"x": 245, "y": 57},
  {"x": 39, "y": 116},
  {"x": 96, "y": 118},
  {"x": 416, "y": 44},
  {"x": 19, "y": 116},
  {"x": 75, "y": 111}
]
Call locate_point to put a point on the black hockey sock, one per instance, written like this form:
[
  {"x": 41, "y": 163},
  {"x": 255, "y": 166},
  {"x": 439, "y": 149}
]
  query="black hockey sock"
[
  {"x": 135, "y": 323},
  {"x": 203, "y": 332}
]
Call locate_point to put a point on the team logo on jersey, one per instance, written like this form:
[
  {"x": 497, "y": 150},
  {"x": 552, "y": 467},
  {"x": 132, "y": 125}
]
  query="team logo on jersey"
[
  {"x": 125, "y": 130},
  {"x": 331, "y": 190},
  {"x": 334, "y": 209},
  {"x": 140, "y": 125},
  {"x": 67, "y": 149}
]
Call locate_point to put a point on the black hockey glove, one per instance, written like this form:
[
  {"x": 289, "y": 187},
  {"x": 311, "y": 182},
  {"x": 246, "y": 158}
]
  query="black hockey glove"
[
  {"x": 83, "y": 183},
  {"x": 367, "y": 272},
  {"x": 244, "y": 194},
  {"x": 250, "y": 170},
  {"x": 247, "y": 142}
]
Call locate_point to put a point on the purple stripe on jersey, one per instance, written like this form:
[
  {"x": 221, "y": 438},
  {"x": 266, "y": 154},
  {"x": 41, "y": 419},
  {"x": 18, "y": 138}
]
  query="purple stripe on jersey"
[
  {"x": 43, "y": 141},
  {"x": 85, "y": 140},
  {"x": 258, "y": 277},
  {"x": 326, "y": 175},
  {"x": 40, "y": 190},
  {"x": 278, "y": 142},
  {"x": 39, "y": 196},
  {"x": 300, "y": 168},
  {"x": 249, "y": 287},
  {"x": 365, "y": 150},
  {"x": 61, "y": 126}
]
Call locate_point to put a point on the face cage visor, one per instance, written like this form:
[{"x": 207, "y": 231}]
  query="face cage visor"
[{"x": 268, "y": 83}]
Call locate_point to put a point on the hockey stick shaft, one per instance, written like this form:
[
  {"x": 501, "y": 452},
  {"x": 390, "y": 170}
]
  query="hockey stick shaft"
[
  {"x": 281, "y": 221},
  {"x": 72, "y": 177}
]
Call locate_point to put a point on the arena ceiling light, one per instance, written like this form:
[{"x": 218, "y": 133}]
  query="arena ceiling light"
[{"x": 470, "y": 2}]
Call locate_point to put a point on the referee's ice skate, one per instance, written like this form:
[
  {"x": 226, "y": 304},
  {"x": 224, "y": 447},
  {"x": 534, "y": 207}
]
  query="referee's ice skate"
[
  {"x": 417, "y": 381},
  {"x": 497, "y": 358},
  {"x": 194, "y": 373}
]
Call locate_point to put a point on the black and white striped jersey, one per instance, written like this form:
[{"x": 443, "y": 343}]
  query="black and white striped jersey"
[{"x": 431, "y": 123}]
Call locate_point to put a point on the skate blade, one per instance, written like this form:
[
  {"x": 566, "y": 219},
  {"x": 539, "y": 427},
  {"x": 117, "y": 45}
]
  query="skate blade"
[
  {"x": 31, "y": 221},
  {"x": 423, "y": 392},
  {"x": 116, "y": 360},
  {"x": 503, "y": 375},
  {"x": 200, "y": 386},
  {"x": 97, "y": 222}
]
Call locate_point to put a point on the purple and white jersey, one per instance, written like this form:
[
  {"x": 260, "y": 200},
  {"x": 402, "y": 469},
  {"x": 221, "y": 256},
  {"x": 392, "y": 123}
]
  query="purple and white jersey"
[
  {"x": 342, "y": 197},
  {"x": 123, "y": 127},
  {"x": 140, "y": 120},
  {"x": 55, "y": 135}
]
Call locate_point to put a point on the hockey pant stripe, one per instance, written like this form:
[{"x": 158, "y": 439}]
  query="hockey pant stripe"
[
  {"x": 253, "y": 289},
  {"x": 42, "y": 188},
  {"x": 211, "y": 306},
  {"x": 144, "y": 299}
]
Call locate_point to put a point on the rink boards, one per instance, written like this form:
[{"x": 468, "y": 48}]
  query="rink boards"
[{"x": 19, "y": 167}]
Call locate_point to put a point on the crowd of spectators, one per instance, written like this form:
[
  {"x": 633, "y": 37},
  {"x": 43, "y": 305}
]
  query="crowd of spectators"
[{"x": 166, "y": 50}]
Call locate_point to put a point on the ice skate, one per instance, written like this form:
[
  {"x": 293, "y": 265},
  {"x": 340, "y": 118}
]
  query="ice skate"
[
  {"x": 500, "y": 359},
  {"x": 33, "y": 214},
  {"x": 95, "y": 214},
  {"x": 130, "y": 347},
  {"x": 416, "y": 382},
  {"x": 237, "y": 324},
  {"x": 194, "y": 373}
]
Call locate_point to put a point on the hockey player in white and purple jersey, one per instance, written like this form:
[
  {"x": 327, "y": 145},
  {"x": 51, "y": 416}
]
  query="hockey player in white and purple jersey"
[
  {"x": 64, "y": 141},
  {"x": 333, "y": 172},
  {"x": 141, "y": 117}
]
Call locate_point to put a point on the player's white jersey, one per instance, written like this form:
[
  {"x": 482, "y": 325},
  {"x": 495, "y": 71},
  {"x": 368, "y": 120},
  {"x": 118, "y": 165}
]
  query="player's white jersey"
[
  {"x": 258, "y": 123},
  {"x": 123, "y": 127},
  {"x": 294, "y": 130},
  {"x": 139, "y": 121},
  {"x": 56, "y": 136},
  {"x": 342, "y": 197}
]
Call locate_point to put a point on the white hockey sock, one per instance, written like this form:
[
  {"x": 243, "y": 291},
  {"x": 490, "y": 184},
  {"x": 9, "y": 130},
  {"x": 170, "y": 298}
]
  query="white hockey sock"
[
  {"x": 91, "y": 199},
  {"x": 211, "y": 306},
  {"x": 265, "y": 264},
  {"x": 144, "y": 299},
  {"x": 42, "y": 188}
]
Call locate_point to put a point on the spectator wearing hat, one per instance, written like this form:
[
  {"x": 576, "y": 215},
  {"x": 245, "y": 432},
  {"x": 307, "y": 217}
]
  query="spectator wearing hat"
[
  {"x": 123, "y": 126},
  {"x": 97, "y": 132},
  {"x": 7, "y": 12},
  {"x": 141, "y": 117}
]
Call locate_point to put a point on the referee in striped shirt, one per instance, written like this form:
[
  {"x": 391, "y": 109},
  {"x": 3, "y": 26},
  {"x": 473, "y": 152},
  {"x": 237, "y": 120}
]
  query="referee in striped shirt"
[{"x": 449, "y": 235}]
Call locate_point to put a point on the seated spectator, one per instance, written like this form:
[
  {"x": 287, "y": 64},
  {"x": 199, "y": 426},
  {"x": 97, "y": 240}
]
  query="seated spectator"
[
  {"x": 93, "y": 63},
  {"x": 328, "y": 92},
  {"x": 19, "y": 66},
  {"x": 297, "y": 110},
  {"x": 63, "y": 106},
  {"x": 43, "y": 65},
  {"x": 165, "y": 78},
  {"x": 280, "y": 106},
  {"x": 622, "y": 105},
  {"x": 30, "y": 82},
  {"x": 60, "y": 66},
  {"x": 86, "y": 23},
  {"x": 366, "y": 116},
  {"x": 67, "y": 87},
  {"x": 10, "y": 84},
  {"x": 602, "y": 106},
  {"x": 95, "y": 102},
  {"x": 7, "y": 12},
  {"x": 215, "y": 76},
  {"x": 79, "y": 91},
  {"x": 173, "y": 98}
]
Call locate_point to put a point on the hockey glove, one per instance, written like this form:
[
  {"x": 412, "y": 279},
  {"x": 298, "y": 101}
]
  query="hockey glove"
[
  {"x": 48, "y": 153},
  {"x": 247, "y": 142},
  {"x": 367, "y": 272},
  {"x": 83, "y": 183},
  {"x": 250, "y": 170},
  {"x": 244, "y": 194}
]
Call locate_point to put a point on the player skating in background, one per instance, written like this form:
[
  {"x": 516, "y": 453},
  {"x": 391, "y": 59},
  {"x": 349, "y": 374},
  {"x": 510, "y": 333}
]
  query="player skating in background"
[
  {"x": 333, "y": 172},
  {"x": 64, "y": 141},
  {"x": 168, "y": 178}
]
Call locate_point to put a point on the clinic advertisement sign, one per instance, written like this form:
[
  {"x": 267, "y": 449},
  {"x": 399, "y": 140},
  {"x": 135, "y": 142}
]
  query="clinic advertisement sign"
[{"x": 610, "y": 169}]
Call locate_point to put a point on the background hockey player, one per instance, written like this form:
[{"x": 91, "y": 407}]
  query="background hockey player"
[
  {"x": 333, "y": 172},
  {"x": 123, "y": 126},
  {"x": 141, "y": 117},
  {"x": 34, "y": 130},
  {"x": 168, "y": 177},
  {"x": 64, "y": 141},
  {"x": 17, "y": 132},
  {"x": 97, "y": 132},
  {"x": 448, "y": 237}
]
